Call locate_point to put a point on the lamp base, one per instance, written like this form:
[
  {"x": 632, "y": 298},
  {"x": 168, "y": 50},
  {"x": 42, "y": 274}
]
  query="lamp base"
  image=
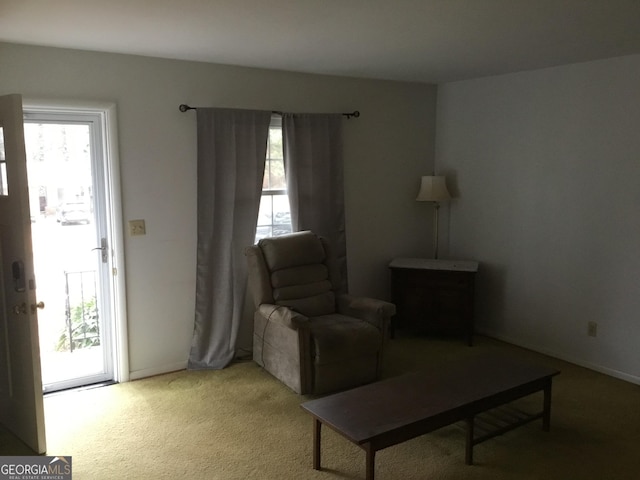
[{"x": 435, "y": 230}]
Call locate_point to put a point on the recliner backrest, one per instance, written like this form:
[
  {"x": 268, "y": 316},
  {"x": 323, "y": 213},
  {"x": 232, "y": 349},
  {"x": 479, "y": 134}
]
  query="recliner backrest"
[{"x": 299, "y": 273}]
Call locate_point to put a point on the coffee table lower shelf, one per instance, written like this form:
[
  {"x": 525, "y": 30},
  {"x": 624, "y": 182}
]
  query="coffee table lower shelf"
[{"x": 392, "y": 411}]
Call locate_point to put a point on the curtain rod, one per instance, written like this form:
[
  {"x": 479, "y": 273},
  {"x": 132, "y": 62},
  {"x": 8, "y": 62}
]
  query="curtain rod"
[{"x": 184, "y": 107}]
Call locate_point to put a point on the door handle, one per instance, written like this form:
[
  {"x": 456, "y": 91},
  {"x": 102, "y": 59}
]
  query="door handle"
[
  {"x": 103, "y": 249},
  {"x": 36, "y": 306}
]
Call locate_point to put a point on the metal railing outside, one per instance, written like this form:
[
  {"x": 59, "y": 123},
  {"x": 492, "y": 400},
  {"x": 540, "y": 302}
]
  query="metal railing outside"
[{"x": 81, "y": 310}]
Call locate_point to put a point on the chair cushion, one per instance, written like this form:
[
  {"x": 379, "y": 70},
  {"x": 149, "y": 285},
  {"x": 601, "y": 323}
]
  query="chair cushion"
[
  {"x": 299, "y": 275},
  {"x": 295, "y": 292},
  {"x": 305, "y": 289},
  {"x": 292, "y": 250},
  {"x": 336, "y": 338},
  {"x": 317, "y": 305}
]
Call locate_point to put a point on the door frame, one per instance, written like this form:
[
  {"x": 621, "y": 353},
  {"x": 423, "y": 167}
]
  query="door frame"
[{"x": 113, "y": 215}]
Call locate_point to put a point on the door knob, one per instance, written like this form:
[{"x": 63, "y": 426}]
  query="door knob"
[{"x": 36, "y": 306}]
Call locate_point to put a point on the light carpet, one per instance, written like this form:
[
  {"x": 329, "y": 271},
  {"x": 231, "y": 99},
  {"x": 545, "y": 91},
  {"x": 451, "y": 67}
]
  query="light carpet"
[{"x": 241, "y": 423}]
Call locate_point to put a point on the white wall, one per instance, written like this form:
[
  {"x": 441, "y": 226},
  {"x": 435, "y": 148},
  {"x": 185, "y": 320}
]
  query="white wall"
[
  {"x": 386, "y": 151},
  {"x": 547, "y": 164}
]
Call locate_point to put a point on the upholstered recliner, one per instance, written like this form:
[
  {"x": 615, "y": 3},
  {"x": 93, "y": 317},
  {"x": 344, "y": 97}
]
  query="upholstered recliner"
[{"x": 307, "y": 334}]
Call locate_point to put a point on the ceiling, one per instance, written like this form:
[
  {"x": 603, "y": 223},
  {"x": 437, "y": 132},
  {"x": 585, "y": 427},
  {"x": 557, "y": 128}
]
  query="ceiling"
[{"x": 430, "y": 41}]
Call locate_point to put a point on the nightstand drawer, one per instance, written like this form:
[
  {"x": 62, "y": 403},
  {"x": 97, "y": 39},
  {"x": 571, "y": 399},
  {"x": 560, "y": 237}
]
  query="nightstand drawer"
[{"x": 433, "y": 278}]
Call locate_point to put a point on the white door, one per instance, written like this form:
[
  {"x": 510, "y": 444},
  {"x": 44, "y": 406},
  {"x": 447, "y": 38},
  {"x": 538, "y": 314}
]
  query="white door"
[
  {"x": 71, "y": 246},
  {"x": 21, "y": 397}
]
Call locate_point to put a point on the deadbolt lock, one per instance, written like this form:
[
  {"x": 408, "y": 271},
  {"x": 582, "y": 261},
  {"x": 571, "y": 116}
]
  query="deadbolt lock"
[
  {"x": 20, "y": 309},
  {"x": 36, "y": 306}
]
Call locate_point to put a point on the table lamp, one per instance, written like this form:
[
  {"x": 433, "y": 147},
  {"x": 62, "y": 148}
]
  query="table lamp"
[{"x": 434, "y": 189}]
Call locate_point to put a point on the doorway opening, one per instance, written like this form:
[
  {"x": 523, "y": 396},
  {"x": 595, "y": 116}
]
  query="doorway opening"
[{"x": 74, "y": 206}]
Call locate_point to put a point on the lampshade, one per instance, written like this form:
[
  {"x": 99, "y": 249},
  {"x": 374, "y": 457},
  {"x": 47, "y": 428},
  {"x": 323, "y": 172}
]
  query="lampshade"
[{"x": 433, "y": 189}]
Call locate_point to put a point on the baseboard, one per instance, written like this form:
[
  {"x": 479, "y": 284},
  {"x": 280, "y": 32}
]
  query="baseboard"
[
  {"x": 561, "y": 356},
  {"x": 150, "y": 372}
]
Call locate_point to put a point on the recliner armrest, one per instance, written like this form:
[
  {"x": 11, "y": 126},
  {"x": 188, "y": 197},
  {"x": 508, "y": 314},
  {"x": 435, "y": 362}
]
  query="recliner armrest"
[
  {"x": 283, "y": 316},
  {"x": 377, "y": 312}
]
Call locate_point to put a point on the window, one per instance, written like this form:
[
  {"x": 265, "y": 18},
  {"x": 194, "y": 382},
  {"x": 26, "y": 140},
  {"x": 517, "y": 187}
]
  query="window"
[
  {"x": 4, "y": 181},
  {"x": 274, "y": 217}
]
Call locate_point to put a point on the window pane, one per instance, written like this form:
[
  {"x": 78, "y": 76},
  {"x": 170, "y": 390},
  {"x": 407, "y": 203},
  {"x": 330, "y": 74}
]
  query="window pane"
[
  {"x": 274, "y": 167},
  {"x": 274, "y": 216},
  {"x": 263, "y": 232},
  {"x": 281, "y": 215},
  {"x": 276, "y": 175},
  {"x": 275, "y": 143},
  {"x": 265, "y": 214},
  {"x": 3, "y": 158},
  {"x": 4, "y": 187},
  {"x": 281, "y": 211}
]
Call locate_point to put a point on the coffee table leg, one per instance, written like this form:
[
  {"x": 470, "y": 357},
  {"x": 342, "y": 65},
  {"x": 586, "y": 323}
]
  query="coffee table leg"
[
  {"x": 317, "y": 427},
  {"x": 469, "y": 442},
  {"x": 371, "y": 461},
  {"x": 546, "y": 416}
]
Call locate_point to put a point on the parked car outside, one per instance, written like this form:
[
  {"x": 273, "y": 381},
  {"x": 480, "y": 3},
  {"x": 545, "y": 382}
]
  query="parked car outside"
[
  {"x": 73, "y": 213},
  {"x": 280, "y": 230},
  {"x": 263, "y": 232},
  {"x": 281, "y": 218}
]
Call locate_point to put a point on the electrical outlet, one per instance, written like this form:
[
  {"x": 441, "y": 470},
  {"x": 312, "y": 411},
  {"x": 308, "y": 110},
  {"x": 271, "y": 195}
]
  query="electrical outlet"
[
  {"x": 137, "y": 227},
  {"x": 592, "y": 329}
]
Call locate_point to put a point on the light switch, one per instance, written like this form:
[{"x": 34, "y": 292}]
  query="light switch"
[{"x": 137, "y": 227}]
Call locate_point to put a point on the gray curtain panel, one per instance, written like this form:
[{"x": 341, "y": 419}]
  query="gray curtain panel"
[
  {"x": 315, "y": 178},
  {"x": 231, "y": 157}
]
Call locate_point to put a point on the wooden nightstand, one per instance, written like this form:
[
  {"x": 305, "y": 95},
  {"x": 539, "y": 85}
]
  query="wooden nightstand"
[{"x": 433, "y": 296}]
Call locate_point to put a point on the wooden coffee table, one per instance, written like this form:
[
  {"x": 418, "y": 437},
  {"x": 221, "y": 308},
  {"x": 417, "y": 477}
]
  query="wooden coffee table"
[{"x": 392, "y": 411}]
